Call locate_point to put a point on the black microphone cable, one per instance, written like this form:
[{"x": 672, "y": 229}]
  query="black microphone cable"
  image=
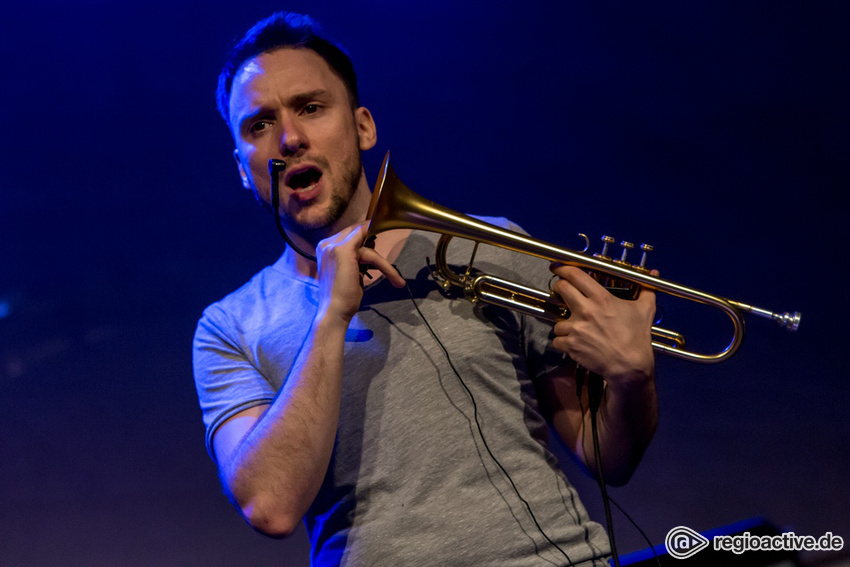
[
  {"x": 276, "y": 166},
  {"x": 595, "y": 392},
  {"x": 595, "y": 389},
  {"x": 480, "y": 430}
]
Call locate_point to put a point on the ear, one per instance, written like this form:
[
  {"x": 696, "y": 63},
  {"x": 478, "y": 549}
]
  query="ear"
[
  {"x": 246, "y": 183},
  {"x": 367, "y": 133}
]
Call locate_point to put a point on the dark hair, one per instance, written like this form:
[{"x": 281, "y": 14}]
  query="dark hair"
[{"x": 284, "y": 29}]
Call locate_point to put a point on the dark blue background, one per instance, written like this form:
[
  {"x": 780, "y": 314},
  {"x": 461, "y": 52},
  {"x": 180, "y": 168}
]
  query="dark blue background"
[{"x": 717, "y": 131}]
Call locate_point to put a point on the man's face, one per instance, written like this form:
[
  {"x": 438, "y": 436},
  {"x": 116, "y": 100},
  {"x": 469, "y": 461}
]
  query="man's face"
[{"x": 288, "y": 104}]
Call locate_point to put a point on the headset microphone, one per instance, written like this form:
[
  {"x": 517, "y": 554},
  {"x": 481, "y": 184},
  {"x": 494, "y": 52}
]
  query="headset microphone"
[{"x": 276, "y": 166}]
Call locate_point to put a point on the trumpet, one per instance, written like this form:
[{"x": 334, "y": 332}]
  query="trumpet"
[{"x": 395, "y": 206}]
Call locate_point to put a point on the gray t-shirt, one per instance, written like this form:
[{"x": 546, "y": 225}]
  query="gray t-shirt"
[{"x": 411, "y": 481}]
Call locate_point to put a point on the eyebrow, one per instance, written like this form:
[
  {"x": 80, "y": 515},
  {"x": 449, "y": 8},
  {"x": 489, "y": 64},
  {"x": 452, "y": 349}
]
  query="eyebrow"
[{"x": 303, "y": 98}]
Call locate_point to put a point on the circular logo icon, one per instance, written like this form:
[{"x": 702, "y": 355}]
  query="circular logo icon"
[{"x": 683, "y": 542}]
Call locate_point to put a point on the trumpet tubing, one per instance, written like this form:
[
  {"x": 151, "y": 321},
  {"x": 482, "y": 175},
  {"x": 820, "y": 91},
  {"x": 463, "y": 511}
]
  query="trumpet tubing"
[{"x": 394, "y": 206}]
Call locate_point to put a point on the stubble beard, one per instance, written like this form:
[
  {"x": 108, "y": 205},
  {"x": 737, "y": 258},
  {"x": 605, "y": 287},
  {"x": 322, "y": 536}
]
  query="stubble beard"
[{"x": 315, "y": 229}]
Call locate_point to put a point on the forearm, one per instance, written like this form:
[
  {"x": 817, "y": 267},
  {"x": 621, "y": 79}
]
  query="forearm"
[
  {"x": 274, "y": 462},
  {"x": 276, "y": 471},
  {"x": 626, "y": 421}
]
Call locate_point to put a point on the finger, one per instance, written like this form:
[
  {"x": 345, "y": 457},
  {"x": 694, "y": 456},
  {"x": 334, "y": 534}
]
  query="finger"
[
  {"x": 571, "y": 296},
  {"x": 562, "y": 328},
  {"x": 371, "y": 257},
  {"x": 346, "y": 238},
  {"x": 579, "y": 279},
  {"x": 354, "y": 235},
  {"x": 562, "y": 345},
  {"x": 647, "y": 295}
]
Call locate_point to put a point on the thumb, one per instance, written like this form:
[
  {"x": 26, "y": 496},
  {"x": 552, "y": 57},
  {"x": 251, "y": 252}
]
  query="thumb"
[{"x": 647, "y": 295}]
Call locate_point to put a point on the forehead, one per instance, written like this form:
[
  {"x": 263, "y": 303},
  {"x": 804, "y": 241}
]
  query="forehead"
[{"x": 278, "y": 75}]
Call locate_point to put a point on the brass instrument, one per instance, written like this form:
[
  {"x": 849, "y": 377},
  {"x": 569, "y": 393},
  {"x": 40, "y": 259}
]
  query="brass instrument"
[{"x": 394, "y": 206}]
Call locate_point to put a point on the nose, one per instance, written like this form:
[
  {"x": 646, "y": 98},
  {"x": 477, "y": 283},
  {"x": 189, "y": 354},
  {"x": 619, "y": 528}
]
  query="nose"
[{"x": 293, "y": 139}]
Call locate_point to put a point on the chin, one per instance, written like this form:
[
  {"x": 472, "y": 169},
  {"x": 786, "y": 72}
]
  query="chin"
[
  {"x": 315, "y": 224},
  {"x": 329, "y": 218}
]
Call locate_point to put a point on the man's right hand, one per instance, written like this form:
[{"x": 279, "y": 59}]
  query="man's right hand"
[{"x": 338, "y": 272}]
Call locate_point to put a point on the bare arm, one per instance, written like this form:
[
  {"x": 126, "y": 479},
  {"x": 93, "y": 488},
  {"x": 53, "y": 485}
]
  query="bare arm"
[
  {"x": 273, "y": 458},
  {"x": 611, "y": 337}
]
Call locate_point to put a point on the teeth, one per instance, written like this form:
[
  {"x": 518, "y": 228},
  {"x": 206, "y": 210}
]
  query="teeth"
[{"x": 305, "y": 189}]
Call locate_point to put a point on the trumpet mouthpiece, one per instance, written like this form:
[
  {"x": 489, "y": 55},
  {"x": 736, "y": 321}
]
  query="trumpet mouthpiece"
[{"x": 789, "y": 321}]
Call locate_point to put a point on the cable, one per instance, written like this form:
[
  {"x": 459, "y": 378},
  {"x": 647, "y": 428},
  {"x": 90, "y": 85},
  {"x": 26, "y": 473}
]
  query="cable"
[
  {"x": 595, "y": 389},
  {"x": 275, "y": 167},
  {"x": 637, "y": 527},
  {"x": 478, "y": 425},
  {"x": 581, "y": 374}
]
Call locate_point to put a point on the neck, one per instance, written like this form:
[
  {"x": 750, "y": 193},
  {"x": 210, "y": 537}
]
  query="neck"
[{"x": 388, "y": 244}]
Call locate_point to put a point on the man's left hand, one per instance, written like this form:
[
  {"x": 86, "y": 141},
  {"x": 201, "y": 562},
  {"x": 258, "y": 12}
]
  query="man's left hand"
[{"x": 605, "y": 334}]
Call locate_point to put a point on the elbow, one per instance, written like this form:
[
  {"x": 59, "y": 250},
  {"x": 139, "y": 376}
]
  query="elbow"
[
  {"x": 621, "y": 478},
  {"x": 622, "y": 473},
  {"x": 625, "y": 468},
  {"x": 269, "y": 519},
  {"x": 263, "y": 510},
  {"x": 612, "y": 476}
]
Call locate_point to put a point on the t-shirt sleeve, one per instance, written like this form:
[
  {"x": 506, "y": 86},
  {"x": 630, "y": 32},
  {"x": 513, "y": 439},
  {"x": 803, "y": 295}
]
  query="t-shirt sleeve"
[{"x": 225, "y": 378}]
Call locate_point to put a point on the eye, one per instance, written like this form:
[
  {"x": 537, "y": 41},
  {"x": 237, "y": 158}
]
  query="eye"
[
  {"x": 311, "y": 108},
  {"x": 258, "y": 126}
]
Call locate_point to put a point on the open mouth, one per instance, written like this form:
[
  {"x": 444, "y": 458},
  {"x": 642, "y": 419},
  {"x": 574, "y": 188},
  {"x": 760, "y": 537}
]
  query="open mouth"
[{"x": 304, "y": 180}]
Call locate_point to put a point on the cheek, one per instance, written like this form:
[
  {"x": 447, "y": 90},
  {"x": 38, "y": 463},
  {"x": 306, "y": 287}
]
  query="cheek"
[
  {"x": 250, "y": 157},
  {"x": 255, "y": 163},
  {"x": 340, "y": 138}
]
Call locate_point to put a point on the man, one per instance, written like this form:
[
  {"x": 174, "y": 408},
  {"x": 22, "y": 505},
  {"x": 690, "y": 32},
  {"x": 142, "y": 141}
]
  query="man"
[{"x": 335, "y": 403}]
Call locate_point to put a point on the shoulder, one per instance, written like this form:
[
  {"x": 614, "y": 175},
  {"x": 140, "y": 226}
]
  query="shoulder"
[
  {"x": 501, "y": 222},
  {"x": 237, "y": 301},
  {"x": 251, "y": 304},
  {"x": 518, "y": 266}
]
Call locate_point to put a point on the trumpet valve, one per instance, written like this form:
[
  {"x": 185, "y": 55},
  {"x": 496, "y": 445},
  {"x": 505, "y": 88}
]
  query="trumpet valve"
[
  {"x": 606, "y": 241},
  {"x": 646, "y": 249},
  {"x": 626, "y": 246}
]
